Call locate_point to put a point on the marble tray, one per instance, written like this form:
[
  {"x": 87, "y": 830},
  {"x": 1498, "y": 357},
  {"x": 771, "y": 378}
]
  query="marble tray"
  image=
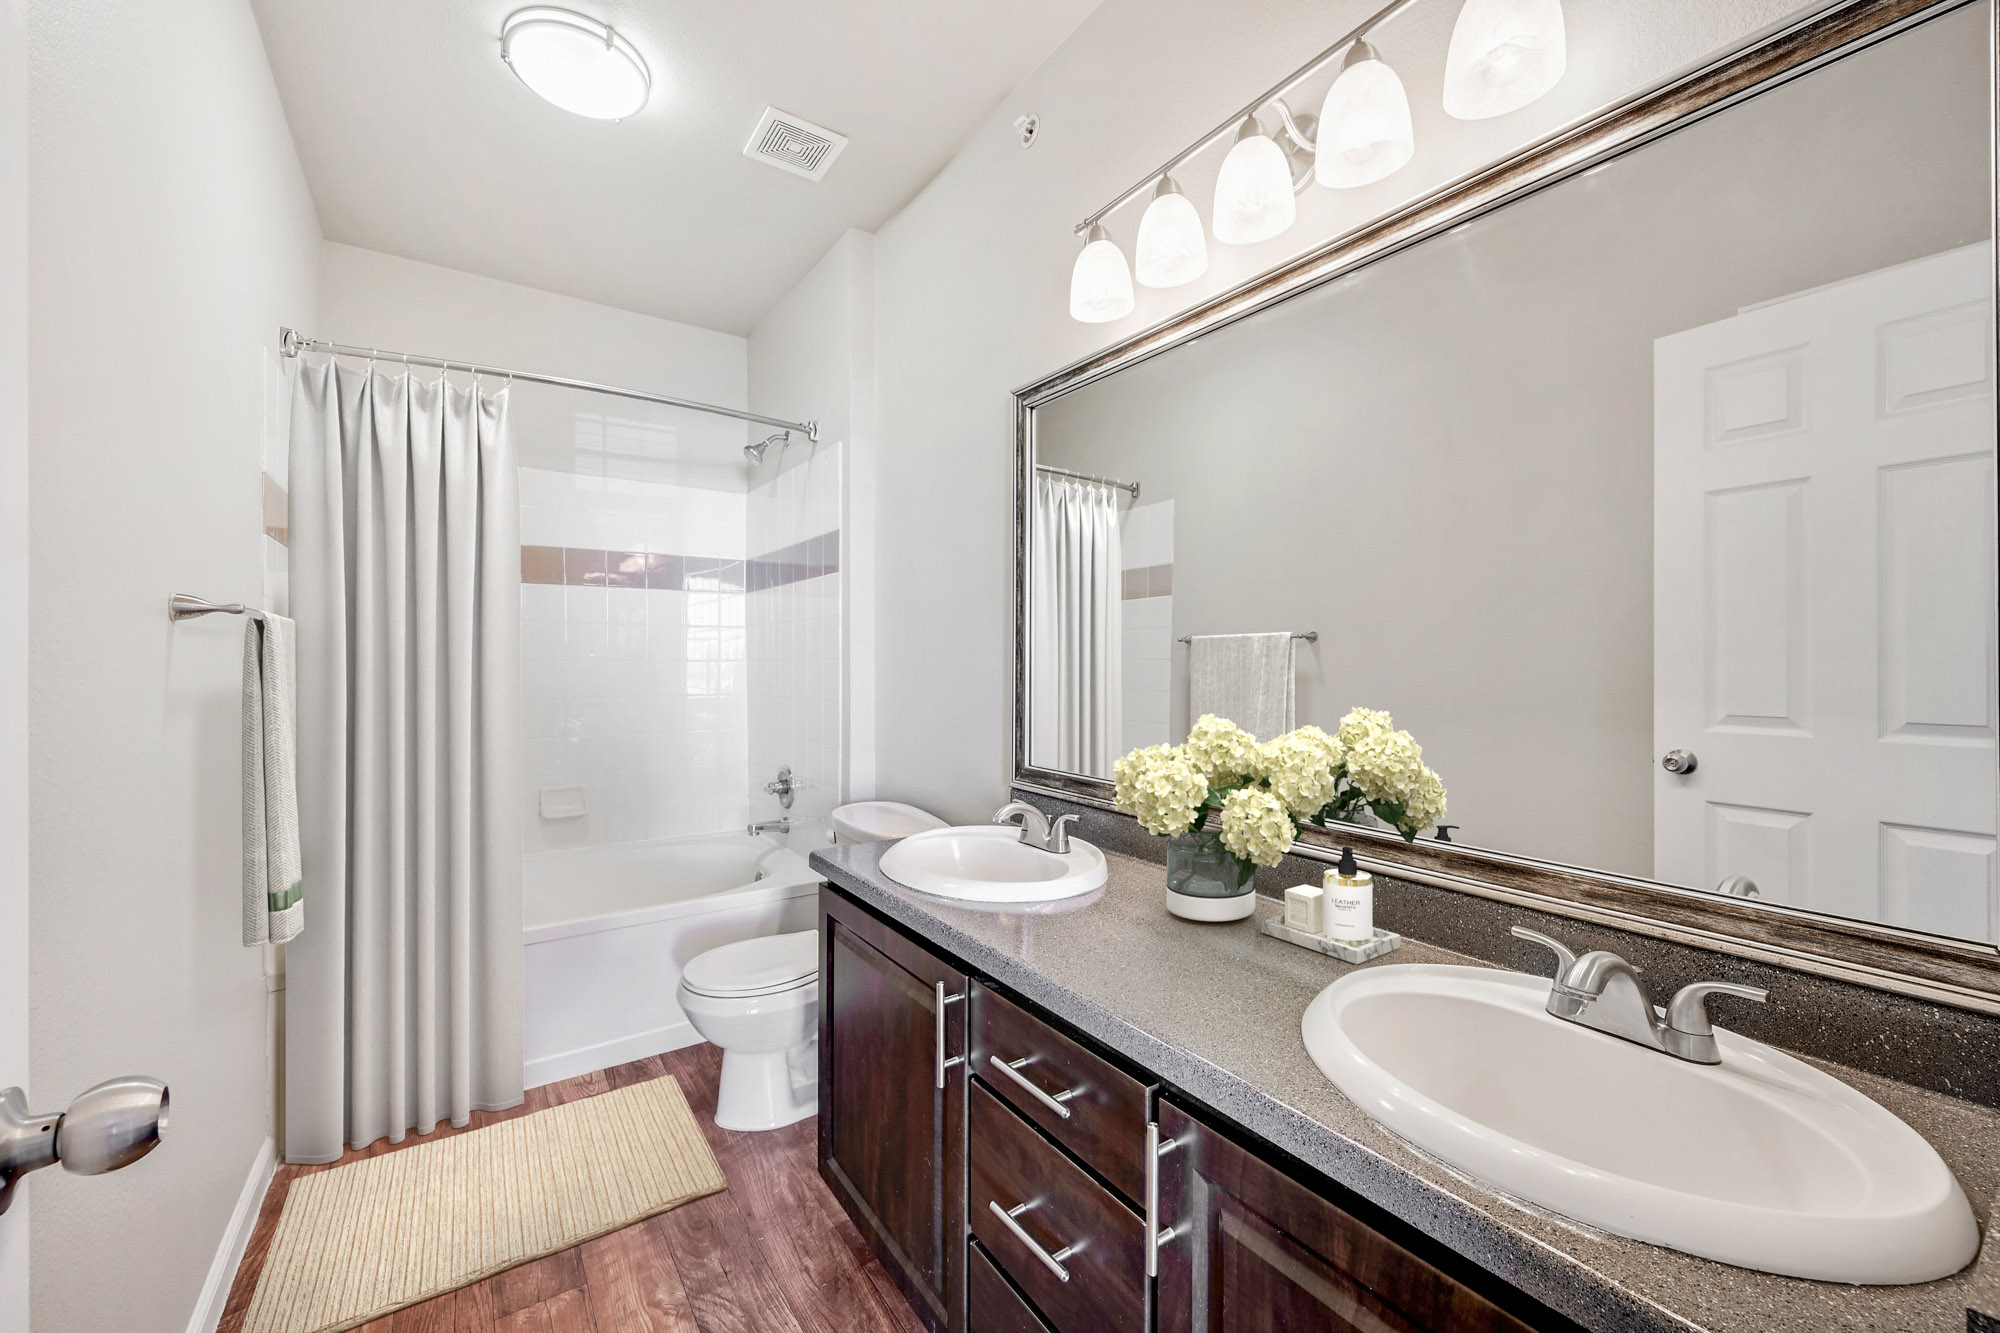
[{"x": 1385, "y": 941}]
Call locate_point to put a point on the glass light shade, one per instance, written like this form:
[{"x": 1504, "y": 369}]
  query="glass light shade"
[
  {"x": 1253, "y": 193},
  {"x": 1364, "y": 125},
  {"x": 1172, "y": 247},
  {"x": 1100, "y": 286},
  {"x": 1504, "y": 54},
  {"x": 579, "y": 64}
]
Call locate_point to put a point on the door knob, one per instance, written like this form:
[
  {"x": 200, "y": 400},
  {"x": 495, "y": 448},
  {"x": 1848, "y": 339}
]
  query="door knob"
[
  {"x": 109, "y": 1126},
  {"x": 1682, "y": 762}
]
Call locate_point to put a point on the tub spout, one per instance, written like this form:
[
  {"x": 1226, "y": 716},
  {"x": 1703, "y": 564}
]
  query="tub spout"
[{"x": 769, "y": 826}]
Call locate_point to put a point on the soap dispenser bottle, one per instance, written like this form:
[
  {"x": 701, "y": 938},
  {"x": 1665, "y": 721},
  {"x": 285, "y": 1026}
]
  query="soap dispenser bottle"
[{"x": 1350, "y": 901}]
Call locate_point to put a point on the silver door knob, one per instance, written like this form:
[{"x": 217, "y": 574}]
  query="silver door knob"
[
  {"x": 107, "y": 1127},
  {"x": 1682, "y": 762}
]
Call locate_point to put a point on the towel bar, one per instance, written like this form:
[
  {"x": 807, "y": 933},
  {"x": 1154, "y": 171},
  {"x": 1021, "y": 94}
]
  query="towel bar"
[
  {"x": 181, "y": 606},
  {"x": 1309, "y": 635}
]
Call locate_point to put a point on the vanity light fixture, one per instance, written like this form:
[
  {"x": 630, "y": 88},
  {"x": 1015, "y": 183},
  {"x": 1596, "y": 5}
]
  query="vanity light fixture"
[
  {"x": 1365, "y": 132},
  {"x": 1253, "y": 193},
  {"x": 576, "y": 62},
  {"x": 1172, "y": 247},
  {"x": 1504, "y": 54},
  {"x": 1100, "y": 286}
]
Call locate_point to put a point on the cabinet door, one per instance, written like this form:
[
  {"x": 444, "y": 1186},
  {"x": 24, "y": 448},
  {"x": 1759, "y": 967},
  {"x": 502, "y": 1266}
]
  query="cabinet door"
[
  {"x": 1253, "y": 1251},
  {"x": 892, "y": 1102}
]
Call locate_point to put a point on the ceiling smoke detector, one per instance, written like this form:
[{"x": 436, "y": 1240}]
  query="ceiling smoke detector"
[{"x": 793, "y": 144}]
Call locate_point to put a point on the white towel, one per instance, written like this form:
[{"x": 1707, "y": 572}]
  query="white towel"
[
  {"x": 273, "y": 886},
  {"x": 1250, "y": 679}
]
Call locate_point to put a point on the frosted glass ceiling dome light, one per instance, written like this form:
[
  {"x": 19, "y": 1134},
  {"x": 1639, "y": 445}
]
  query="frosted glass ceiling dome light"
[
  {"x": 1364, "y": 125},
  {"x": 1253, "y": 192},
  {"x": 1504, "y": 54},
  {"x": 1100, "y": 286},
  {"x": 579, "y": 64},
  {"x": 1172, "y": 247}
]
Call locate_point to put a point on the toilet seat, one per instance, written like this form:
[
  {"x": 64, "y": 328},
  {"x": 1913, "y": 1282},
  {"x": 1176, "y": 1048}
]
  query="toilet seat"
[{"x": 767, "y": 965}]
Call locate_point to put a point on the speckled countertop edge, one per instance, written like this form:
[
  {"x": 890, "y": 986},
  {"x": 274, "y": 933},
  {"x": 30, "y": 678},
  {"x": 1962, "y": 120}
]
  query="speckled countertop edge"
[{"x": 1208, "y": 1034}]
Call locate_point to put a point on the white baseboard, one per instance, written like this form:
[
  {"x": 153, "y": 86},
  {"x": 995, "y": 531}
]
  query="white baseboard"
[
  {"x": 585, "y": 1059},
  {"x": 235, "y": 1239}
]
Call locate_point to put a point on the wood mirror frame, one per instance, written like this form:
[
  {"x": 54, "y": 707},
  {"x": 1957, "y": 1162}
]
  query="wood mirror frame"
[{"x": 1961, "y": 973}]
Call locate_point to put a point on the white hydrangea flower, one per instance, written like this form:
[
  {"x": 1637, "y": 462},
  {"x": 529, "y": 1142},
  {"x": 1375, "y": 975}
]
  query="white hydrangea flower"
[
  {"x": 1387, "y": 765},
  {"x": 1300, "y": 768},
  {"x": 1361, "y": 723},
  {"x": 1426, "y": 804},
  {"x": 1223, "y": 751},
  {"x": 1160, "y": 787},
  {"x": 1255, "y": 825}
]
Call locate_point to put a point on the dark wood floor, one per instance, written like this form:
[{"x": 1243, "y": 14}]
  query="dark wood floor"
[{"x": 771, "y": 1254}]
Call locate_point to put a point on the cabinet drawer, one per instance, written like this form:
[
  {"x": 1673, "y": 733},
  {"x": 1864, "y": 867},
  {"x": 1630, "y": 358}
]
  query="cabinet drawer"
[
  {"x": 1055, "y": 1206},
  {"x": 991, "y": 1305},
  {"x": 1088, "y": 1105}
]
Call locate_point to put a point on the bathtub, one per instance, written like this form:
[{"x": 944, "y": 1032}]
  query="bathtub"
[{"x": 607, "y": 930}]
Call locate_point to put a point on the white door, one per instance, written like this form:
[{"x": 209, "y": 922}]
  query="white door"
[
  {"x": 1824, "y": 638},
  {"x": 13, "y": 626}
]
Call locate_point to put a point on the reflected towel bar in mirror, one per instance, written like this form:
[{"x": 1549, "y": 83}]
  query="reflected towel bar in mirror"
[
  {"x": 1309, "y": 635},
  {"x": 181, "y": 606}
]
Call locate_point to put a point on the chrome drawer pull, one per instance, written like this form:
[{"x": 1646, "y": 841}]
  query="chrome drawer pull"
[
  {"x": 1156, "y": 1235},
  {"x": 1053, "y": 1101},
  {"x": 1053, "y": 1261},
  {"x": 944, "y": 1062}
]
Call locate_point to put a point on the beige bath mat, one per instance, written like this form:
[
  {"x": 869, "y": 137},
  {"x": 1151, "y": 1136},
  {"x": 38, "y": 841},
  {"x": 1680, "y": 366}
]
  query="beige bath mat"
[{"x": 361, "y": 1240}]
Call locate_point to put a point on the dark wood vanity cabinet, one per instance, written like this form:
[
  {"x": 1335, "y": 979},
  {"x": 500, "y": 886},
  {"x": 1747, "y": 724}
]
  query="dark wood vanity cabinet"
[
  {"x": 892, "y": 1102},
  {"x": 998, "y": 1166},
  {"x": 1254, "y": 1251}
]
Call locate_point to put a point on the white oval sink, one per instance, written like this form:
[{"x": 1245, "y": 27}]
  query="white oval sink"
[
  {"x": 1761, "y": 1161},
  {"x": 990, "y": 863}
]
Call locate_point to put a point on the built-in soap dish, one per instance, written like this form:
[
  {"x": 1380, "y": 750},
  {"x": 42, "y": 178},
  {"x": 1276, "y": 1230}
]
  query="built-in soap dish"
[{"x": 1385, "y": 941}]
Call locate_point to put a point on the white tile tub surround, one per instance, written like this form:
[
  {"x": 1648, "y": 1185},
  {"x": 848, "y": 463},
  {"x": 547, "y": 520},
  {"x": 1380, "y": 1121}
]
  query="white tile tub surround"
[
  {"x": 797, "y": 704},
  {"x": 607, "y": 931},
  {"x": 639, "y": 695},
  {"x": 1146, "y": 540}
]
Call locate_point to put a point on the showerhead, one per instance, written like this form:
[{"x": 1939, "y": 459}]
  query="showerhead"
[{"x": 755, "y": 452}]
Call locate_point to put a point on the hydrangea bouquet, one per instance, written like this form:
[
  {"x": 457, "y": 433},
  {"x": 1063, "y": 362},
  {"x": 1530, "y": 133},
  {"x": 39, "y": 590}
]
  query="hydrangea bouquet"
[{"x": 1265, "y": 793}]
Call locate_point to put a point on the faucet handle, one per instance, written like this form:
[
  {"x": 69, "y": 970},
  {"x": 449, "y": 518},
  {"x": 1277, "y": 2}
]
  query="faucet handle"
[
  {"x": 1059, "y": 833},
  {"x": 1565, "y": 958},
  {"x": 1687, "y": 1012}
]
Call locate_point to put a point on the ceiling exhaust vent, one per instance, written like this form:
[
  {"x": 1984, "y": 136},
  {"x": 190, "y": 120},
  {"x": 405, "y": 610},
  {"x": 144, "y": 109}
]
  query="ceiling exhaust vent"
[{"x": 794, "y": 145}]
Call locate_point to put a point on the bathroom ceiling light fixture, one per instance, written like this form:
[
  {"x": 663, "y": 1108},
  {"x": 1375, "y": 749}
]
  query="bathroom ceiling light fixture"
[
  {"x": 1365, "y": 132},
  {"x": 1172, "y": 248},
  {"x": 1100, "y": 286},
  {"x": 1504, "y": 54},
  {"x": 578, "y": 63},
  {"x": 1253, "y": 193}
]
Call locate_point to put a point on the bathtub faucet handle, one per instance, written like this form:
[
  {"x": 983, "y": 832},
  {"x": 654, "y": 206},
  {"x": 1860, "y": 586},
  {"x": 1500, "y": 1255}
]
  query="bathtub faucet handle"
[{"x": 783, "y": 787}]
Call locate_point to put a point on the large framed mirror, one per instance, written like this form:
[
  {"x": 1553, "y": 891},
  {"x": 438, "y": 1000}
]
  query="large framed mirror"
[{"x": 1647, "y": 479}]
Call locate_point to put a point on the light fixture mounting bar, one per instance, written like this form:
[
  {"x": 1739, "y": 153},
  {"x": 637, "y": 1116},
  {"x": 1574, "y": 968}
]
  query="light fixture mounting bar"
[{"x": 1235, "y": 118}]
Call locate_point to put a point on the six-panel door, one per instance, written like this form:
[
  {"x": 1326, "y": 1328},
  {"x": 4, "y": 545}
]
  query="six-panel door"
[{"x": 892, "y": 1103}]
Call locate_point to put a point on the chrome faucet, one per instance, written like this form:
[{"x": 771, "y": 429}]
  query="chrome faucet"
[
  {"x": 769, "y": 826},
  {"x": 1602, "y": 991},
  {"x": 1036, "y": 828},
  {"x": 783, "y": 787}
]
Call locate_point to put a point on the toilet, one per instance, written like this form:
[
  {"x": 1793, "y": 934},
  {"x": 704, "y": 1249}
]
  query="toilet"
[
  {"x": 758, "y": 999},
  {"x": 880, "y": 821}
]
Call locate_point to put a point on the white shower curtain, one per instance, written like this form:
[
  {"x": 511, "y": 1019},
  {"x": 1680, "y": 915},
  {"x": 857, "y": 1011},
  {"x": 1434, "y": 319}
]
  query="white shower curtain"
[
  {"x": 1074, "y": 674},
  {"x": 403, "y": 1000}
]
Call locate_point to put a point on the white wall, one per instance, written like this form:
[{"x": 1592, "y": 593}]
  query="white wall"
[
  {"x": 13, "y": 620},
  {"x": 370, "y": 299},
  {"x": 172, "y": 233},
  {"x": 813, "y": 358},
  {"x": 972, "y": 280}
]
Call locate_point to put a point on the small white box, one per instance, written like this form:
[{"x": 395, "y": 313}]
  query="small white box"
[{"x": 1305, "y": 905}]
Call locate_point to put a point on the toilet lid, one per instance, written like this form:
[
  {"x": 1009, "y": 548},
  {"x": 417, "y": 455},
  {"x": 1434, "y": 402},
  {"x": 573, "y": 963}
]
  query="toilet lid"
[{"x": 750, "y": 967}]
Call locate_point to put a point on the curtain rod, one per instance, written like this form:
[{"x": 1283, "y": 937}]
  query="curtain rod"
[
  {"x": 1131, "y": 486},
  {"x": 292, "y": 343}
]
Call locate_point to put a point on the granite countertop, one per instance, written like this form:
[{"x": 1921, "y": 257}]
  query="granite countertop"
[{"x": 1214, "y": 1010}]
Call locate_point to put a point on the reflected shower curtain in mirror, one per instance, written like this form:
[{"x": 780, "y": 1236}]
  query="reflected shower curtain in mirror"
[
  {"x": 403, "y": 1002},
  {"x": 1075, "y": 637}
]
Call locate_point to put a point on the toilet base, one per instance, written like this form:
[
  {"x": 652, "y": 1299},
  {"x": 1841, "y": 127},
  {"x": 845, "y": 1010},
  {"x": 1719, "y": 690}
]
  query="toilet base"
[{"x": 758, "y": 1092}]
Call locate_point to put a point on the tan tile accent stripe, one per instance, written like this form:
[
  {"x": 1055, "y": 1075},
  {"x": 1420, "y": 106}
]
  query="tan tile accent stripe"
[
  {"x": 361, "y": 1240},
  {"x": 1147, "y": 581}
]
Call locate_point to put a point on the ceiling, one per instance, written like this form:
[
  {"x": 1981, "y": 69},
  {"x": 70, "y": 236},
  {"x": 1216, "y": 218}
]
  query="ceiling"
[{"x": 418, "y": 141}]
